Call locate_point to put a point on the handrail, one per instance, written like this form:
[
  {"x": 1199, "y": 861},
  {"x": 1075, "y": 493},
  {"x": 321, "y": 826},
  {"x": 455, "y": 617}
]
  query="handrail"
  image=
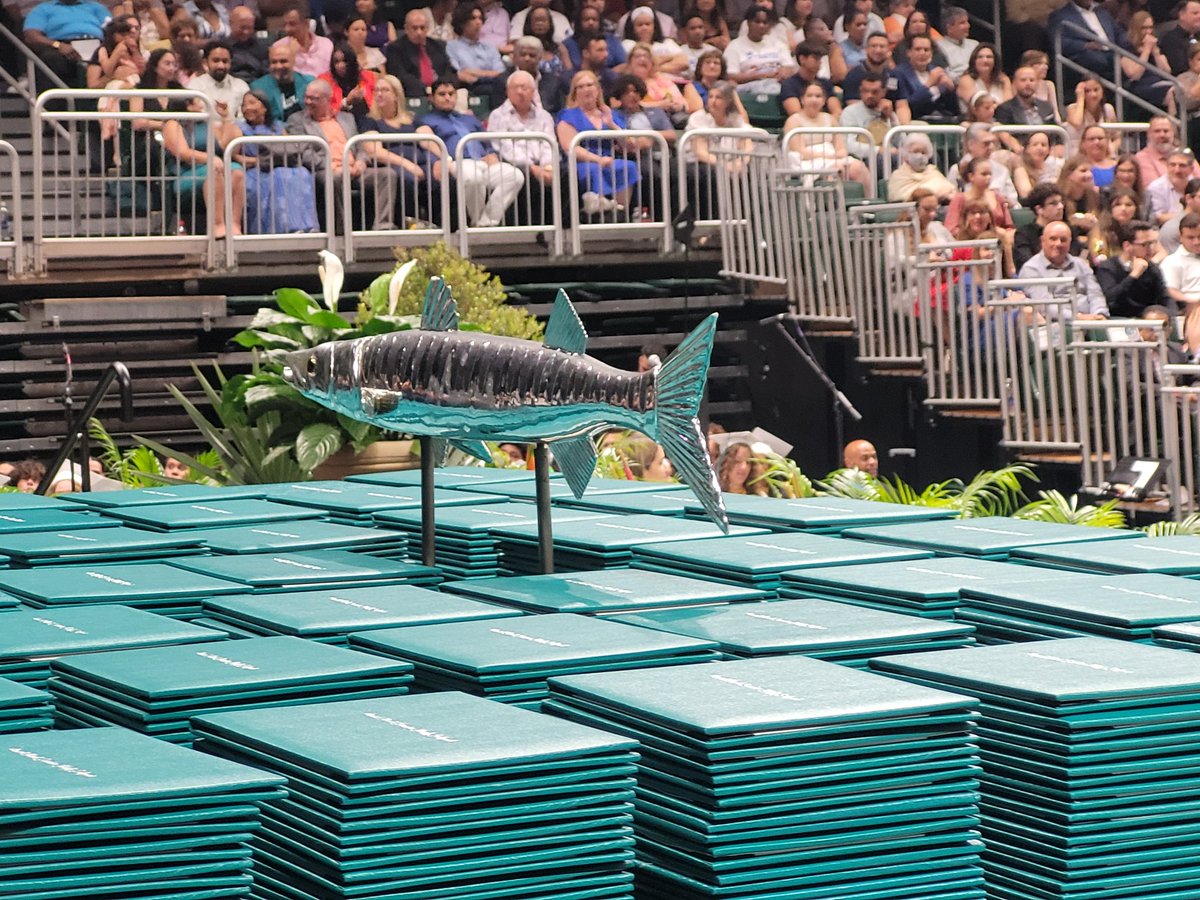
[
  {"x": 682, "y": 161},
  {"x": 77, "y": 430},
  {"x": 871, "y": 160},
  {"x": 1121, "y": 93},
  {"x": 995, "y": 25},
  {"x": 18, "y": 226},
  {"x": 33, "y": 65},
  {"x": 274, "y": 140},
  {"x": 494, "y": 137}
]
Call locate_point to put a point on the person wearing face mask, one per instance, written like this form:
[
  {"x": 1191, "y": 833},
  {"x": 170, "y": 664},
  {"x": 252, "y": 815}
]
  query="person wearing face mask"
[
  {"x": 916, "y": 172},
  {"x": 225, "y": 90}
]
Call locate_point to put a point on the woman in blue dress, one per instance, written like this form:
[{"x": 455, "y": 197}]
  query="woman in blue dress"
[
  {"x": 279, "y": 197},
  {"x": 607, "y": 178},
  {"x": 202, "y": 175}
]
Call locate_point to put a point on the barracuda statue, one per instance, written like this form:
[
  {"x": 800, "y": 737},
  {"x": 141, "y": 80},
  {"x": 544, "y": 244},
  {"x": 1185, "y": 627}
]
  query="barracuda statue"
[{"x": 467, "y": 387}]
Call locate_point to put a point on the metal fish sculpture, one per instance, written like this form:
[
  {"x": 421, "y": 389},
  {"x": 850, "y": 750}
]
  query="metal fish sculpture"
[{"x": 466, "y": 387}]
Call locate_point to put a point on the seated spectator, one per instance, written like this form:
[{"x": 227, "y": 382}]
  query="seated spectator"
[
  {"x": 983, "y": 74},
  {"x": 1081, "y": 18},
  {"x": 211, "y": 18},
  {"x": 203, "y": 176},
  {"x": 310, "y": 51},
  {"x": 478, "y": 63},
  {"x": 691, "y": 34},
  {"x": 1120, "y": 208},
  {"x": 758, "y": 62},
  {"x": 539, "y": 25},
  {"x": 144, "y": 153},
  {"x": 956, "y": 46},
  {"x": 641, "y": 27},
  {"x": 897, "y": 18},
  {"x": 665, "y": 22},
  {"x": 1089, "y": 108},
  {"x": 979, "y": 141},
  {"x": 520, "y": 113},
  {"x": 409, "y": 160},
  {"x": 716, "y": 28},
  {"x": 1044, "y": 90},
  {"x": 628, "y": 97},
  {"x": 153, "y": 23},
  {"x": 917, "y": 172},
  {"x": 527, "y": 52},
  {"x": 52, "y": 25},
  {"x": 370, "y": 59},
  {"x": 704, "y": 154},
  {"x": 1181, "y": 269},
  {"x": 279, "y": 191},
  {"x": 224, "y": 90},
  {"x": 1036, "y": 164},
  {"x": 720, "y": 111},
  {"x": 1047, "y": 205},
  {"x": 1095, "y": 148},
  {"x": 185, "y": 44},
  {"x": 118, "y": 61},
  {"x": 1190, "y": 81},
  {"x": 783, "y": 30},
  {"x": 607, "y": 180},
  {"x": 1168, "y": 235},
  {"x": 589, "y": 21},
  {"x": 977, "y": 172},
  {"x": 1128, "y": 175},
  {"x": 380, "y": 30},
  {"x": 661, "y": 91},
  {"x": 871, "y": 111},
  {"x": 876, "y": 62},
  {"x": 737, "y": 472},
  {"x": 417, "y": 59},
  {"x": 932, "y": 231},
  {"x": 1144, "y": 41},
  {"x": 321, "y": 119},
  {"x": 1025, "y": 108},
  {"x": 248, "y": 51},
  {"x": 1166, "y": 191},
  {"x": 1081, "y": 202},
  {"x": 841, "y": 25},
  {"x": 283, "y": 86},
  {"x": 438, "y": 15},
  {"x": 1178, "y": 42},
  {"x": 1130, "y": 280},
  {"x": 1161, "y": 141},
  {"x": 562, "y": 25},
  {"x": 982, "y": 109},
  {"x": 917, "y": 25},
  {"x": 710, "y": 69},
  {"x": 927, "y": 89},
  {"x": 353, "y": 88},
  {"x": 851, "y": 50},
  {"x": 647, "y": 461},
  {"x": 808, "y": 61},
  {"x": 819, "y": 34},
  {"x": 822, "y": 153},
  {"x": 26, "y": 474},
  {"x": 1054, "y": 260},
  {"x": 489, "y": 184},
  {"x": 173, "y": 468}
]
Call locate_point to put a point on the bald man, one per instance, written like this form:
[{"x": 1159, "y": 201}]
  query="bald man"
[
  {"x": 248, "y": 52},
  {"x": 283, "y": 85},
  {"x": 1055, "y": 261},
  {"x": 861, "y": 455}
]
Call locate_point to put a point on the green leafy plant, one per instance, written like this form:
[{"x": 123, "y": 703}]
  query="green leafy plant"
[
  {"x": 990, "y": 493},
  {"x": 1052, "y": 506},
  {"x": 139, "y": 466},
  {"x": 1189, "y": 525},
  {"x": 782, "y": 476}
]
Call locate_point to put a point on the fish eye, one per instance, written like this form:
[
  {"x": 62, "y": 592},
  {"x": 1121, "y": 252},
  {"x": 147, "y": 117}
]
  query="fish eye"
[{"x": 311, "y": 368}]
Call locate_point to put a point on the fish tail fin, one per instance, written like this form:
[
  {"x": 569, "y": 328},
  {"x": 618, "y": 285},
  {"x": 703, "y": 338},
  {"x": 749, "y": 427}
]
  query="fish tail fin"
[{"x": 679, "y": 389}]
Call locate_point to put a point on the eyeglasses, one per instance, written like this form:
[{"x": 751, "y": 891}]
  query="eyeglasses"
[{"x": 1146, "y": 244}]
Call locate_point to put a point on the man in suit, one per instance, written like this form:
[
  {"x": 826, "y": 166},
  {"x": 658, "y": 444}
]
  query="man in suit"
[
  {"x": 1025, "y": 108},
  {"x": 1084, "y": 47},
  {"x": 417, "y": 59},
  {"x": 336, "y": 129}
]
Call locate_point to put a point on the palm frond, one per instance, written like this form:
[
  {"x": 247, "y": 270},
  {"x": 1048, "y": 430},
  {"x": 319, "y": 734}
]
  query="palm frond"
[
  {"x": 1052, "y": 506},
  {"x": 1189, "y": 525}
]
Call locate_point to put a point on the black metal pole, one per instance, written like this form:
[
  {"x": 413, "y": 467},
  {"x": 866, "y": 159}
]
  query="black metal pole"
[
  {"x": 541, "y": 462},
  {"x": 428, "y": 546}
]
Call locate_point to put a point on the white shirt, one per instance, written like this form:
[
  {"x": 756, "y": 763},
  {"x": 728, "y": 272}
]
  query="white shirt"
[
  {"x": 702, "y": 118},
  {"x": 767, "y": 56},
  {"x": 874, "y": 24},
  {"x": 1001, "y": 183},
  {"x": 439, "y": 31},
  {"x": 562, "y": 25},
  {"x": 958, "y": 56},
  {"x": 523, "y": 153},
  {"x": 230, "y": 91},
  {"x": 783, "y": 29},
  {"x": 1163, "y": 197},
  {"x": 1092, "y": 21},
  {"x": 665, "y": 23},
  {"x": 1181, "y": 272}
]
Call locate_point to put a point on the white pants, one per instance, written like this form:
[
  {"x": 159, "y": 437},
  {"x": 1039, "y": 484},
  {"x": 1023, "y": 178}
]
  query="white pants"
[{"x": 488, "y": 190}]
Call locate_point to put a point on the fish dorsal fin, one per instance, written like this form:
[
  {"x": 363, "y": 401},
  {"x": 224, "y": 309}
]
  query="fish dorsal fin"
[
  {"x": 440, "y": 312},
  {"x": 576, "y": 458},
  {"x": 564, "y": 331}
]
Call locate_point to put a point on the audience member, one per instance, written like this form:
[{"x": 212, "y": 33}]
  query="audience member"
[
  {"x": 370, "y": 59},
  {"x": 1131, "y": 282},
  {"x": 629, "y": 96},
  {"x": 553, "y": 58},
  {"x": 736, "y": 471},
  {"x": 704, "y": 153},
  {"x": 1089, "y": 108},
  {"x": 1181, "y": 269},
  {"x": 390, "y": 115},
  {"x": 808, "y": 61},
  {"x": 185, "y": 44},
  {"x": 1081, "y": 201},
  {"x": 1047, "y": 204},
  {"x": 897, "y": 18},
  {"x": 311, "y": 52},
  {"x": 152, "y": 21},
  {"x": 607, "y": 181},
  {"x": 841, "y": 25},
  {"x": 642, "y": 28},
  {"x": 417, "y": 59},
  {"x": 917, "y": 25},
  {"x": 851, "y": 50},
  {"x": 118, "y": 61},
  {"x": 665, "y": 22},
  {"x": 321, "y": 119},
  {"x": 1036, "y": 164},
  {"x": 26, "y": 474},
  {"x": 489, "y": 184},
  {"x": 979, "y": 141},
  {"x": 1094, "y": 146},
  {"x": 977, "y": 173},
  {"x": 520, "y": 113},
  {"x": 380, "y": 31},
  {"x": 928, "y": 90},
  {"x": 279, "y": 195},
  {"x": 1166, "y": 191},
  {"x": 1161, "y": 141},
  {"x": 662, "y": 92},
  {"x": 1054, "y": 260},
  {"x": 1190, "y": 81},
  {"x": 647, "y": 461},
  {"x": 716, "y": 28},
  {"x": 589, "y": 21},
  {"x": 496, "y": 25},
  {"x": 1128, "y": 175},
  {"x": 932, "y": 232},
  {"x": 173, "y": 468},
  {"x": 917, "y": 172},
  {"x": 871, "y": 111},
  {"x": 823, "y": 153},
  {"x": 1168, "y": 235},
  {"x": 438, "y": 15},
  {"x": 983, "y": 74},
  {"x": 783, "y": 30},
  {"x": 982, "y": 109},
  {"x": 956, "y": 46},
  {"x": 861, "y": 455},
  {"x": 1025, "y": 108},
  {"x": 1178, "y": 41},
  {"x": 691, "y": 34},
  {"x": 1120, "y": 208},
  {"x": 211, "y": 18},
  {"x": 1076, "y": 23},
  {"x": 204, "y": 175},
  {"x": 758, "y": 62},
  {"x": 282, "y": 85},
  {"x": 562, "y": 25},
  {"x": 249, "y": 54},
  {"x": 1144, "y": 42},
  {"x": 527, "y": 51},
  {"x": 224, "y": 90},
  {"x": 52, "y": 25},
  {"x": 353, "y": 87},
  {"x": 478, "y": 63},
  {"x": 710, "y": 69},
  {"x": 1045, "y": 90},
  {"x": 876, "y": 62}
]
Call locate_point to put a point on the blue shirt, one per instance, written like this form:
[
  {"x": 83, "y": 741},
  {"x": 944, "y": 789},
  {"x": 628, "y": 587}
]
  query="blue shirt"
[
  {"x": 63, "y": 22},
  {"x": 452, "y": 127},
  {"x": 474, "y": 55}
]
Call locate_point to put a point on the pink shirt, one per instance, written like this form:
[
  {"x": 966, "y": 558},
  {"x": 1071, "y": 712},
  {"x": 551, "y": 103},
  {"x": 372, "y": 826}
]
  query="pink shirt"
[{"x": 315, "y": 60}]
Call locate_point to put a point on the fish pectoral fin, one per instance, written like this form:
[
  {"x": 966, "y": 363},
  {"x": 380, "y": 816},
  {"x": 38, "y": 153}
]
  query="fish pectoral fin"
[
  {"x": 440, "y": 312},
  {"x": 375, "y": 402},
  {"x": 564, "y": 331},
  {"x": 478, "y": 449},
  {"x": 576, "y": 458}
]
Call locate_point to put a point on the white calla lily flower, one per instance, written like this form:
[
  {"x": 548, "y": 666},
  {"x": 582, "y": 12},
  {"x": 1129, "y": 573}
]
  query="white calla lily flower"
[
  {"x": 332, "y": 273},
  {"x": 396, "y": 284}
]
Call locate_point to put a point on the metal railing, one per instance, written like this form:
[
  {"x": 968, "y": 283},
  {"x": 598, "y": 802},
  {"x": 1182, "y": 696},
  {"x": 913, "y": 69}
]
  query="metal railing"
[
  {"x": 840, "y": 162},
  {"x": 420, "y": 215},
  {"x": 77, "y": 426},
  {"x": 1127, "y": 130},
  {"x": 884, "y": 284},
  {"x": 1031, "y": 343},
  {"x": 278, "y": 192},
  {"x": 696, "y": 180},
  {"x": 992, "y": 26},
  {"x": 754, "y": 234},
  {"x": 509, "y": 192},
  {"x": 815, "y": 249},
  {"x": 12, "y": 246},
  {"x": 1180, "y": 396},
  {"x": 33, "y": 66},
  {"x": 640, "y": 174},
  {"x": 1116, "y": 377},
  {"x": 946, "y": 153},
  {"x": 1050, "y": 130},
  {"x": 958, "y": 335},
  {"x": 1114, "y": 81},
  {"x": 145, "y": 202}
]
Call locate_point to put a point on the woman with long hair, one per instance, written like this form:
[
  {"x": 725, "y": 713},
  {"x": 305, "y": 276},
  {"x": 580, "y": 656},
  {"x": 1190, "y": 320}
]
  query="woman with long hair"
[
  {"x": 380, "y": 31},
  {"x": 279, "y": 197},
  {"x": 716, "y": 28},
  {"x": 369, "y": 58},
  {"x": 353, "y": 88},
  {"x": 1141, "y": 81},
  {"x": 736, "y": 471},
  {"x": 204, "y": 175},
  {"x": 540, "y": 25},
  {"x": 606, "y": 177},
  {"x": 1081, "y": 200},
  {"x": 1128, "y": 174},
  {"x": 1120, "y": 208},
  {"x": 918, "y": 25},
  {"x": 1089, "y": 108},
  {"x": 821, "y": 153},
  {"x": 1036, "y": 165},
  {"x": 1094, "y": 146},
  {"x": 119, "y": 57},
  {"x": 661, "y": 90},
  {"x": 977, "y": 173},
  {"x": 642, "y": 28},
  {"x": 931, "y": 230},
  {"x": 983, "y": 74}
]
